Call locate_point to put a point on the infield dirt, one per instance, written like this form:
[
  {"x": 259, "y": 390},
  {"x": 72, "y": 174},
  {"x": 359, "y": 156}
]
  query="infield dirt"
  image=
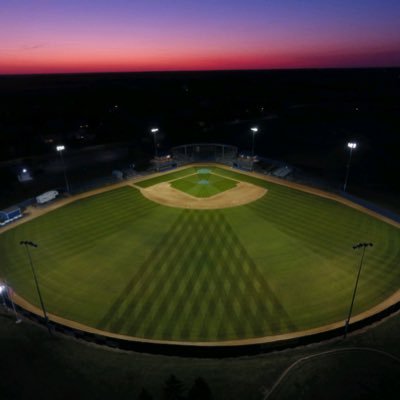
[{"x": 243, "y": 193}]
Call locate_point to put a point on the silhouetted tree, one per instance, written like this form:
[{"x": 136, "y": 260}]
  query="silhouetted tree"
[
  {"x": 145, "y": 395},
  {"x": 173, "y": 389},
  {"x": 200, "y": 390}
]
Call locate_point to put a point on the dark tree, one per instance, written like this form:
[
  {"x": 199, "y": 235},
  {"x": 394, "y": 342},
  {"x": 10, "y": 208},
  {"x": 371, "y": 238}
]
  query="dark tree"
[
  {"x": 145, "y": 395},
  {"x": 173, "y": 389},
  {"x": 200, "y": 390}
]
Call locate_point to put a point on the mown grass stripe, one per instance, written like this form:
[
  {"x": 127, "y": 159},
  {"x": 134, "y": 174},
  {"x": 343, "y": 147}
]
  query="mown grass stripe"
[{"x": 120, "y": 262}]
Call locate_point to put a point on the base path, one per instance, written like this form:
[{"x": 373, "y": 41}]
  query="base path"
[{"x": 243, "y": 193}]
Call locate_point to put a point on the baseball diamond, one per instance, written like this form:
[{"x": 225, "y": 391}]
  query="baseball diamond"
[{"x": 204, "y": 254}]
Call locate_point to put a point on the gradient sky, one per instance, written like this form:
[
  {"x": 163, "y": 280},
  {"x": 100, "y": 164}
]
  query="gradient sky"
[{"x": 54, "y": 36}]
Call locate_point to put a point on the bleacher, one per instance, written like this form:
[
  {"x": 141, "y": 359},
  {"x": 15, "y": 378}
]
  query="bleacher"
[
  {"x": 9, "y": 215},
  {"x": 282, "y": 172}
]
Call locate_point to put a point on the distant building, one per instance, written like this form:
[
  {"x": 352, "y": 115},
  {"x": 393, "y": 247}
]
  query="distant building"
[
  {"x": 52, "y": 138},
  {"x": 25, "y": 175}
]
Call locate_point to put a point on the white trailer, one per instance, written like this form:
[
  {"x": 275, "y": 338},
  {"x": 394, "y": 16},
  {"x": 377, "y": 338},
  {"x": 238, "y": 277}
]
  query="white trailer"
[{"x": 47, "y": 196}]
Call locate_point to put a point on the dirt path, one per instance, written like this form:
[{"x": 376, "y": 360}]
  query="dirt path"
[{"x": 324, "y": 354}]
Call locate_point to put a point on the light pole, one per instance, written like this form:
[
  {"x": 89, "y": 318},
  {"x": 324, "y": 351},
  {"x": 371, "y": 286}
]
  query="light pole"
[
  {"x": 6, "y": 289},
  {"x": 60, "y": 149},
  {"x": 2, "y": 291},
  {"x": 356, "y": 246},
  {"x": 154, "y": 131},
  {"x": 351, "y": 146},
  {"x": 254, "y": 130},
  {"x": 28, "y": 244}
]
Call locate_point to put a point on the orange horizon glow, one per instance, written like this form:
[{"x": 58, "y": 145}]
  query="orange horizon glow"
[
  {"x": 117, "y": 62},
  {"x": 79, "y": 37}
]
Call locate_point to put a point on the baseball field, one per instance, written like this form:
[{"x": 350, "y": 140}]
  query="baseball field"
[{"x": 232, "y": 257}]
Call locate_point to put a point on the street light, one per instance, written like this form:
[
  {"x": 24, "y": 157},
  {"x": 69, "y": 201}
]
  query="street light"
[
  {"x": 60, "y": 149},
  {"x": 356, "y": 246},
  {"x": 28, "y": 244},
  {"x": 154, "y": 131},
  {"x": 254, "y": 130},
  {"x": 351, "y": 146}
]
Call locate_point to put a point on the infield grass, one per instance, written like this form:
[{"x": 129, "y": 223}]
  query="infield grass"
[
  {"x": 203, "y": 184},
  {"x": 119, "y": 262}
]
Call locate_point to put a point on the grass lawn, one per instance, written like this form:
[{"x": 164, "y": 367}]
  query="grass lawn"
[
  {"x": 119, "y": 262},
  {"x": 59, "y": 368}
]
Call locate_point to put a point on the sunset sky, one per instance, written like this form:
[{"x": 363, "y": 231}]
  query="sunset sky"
[{"x": 55, "y": 36}]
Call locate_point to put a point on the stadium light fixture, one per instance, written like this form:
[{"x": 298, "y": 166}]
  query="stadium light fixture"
[
  {"x": 355, "y": 247},
  {"x": 2, "y": 290},
  {"x": 27, "y": 245},
  {"x": 254, "y": 130},
  {"x": 351, "y": 146},
  {"x": 154, "y": 131},
  {"x": 60, "y": 149},
  {"x": 6, "y": 290}
]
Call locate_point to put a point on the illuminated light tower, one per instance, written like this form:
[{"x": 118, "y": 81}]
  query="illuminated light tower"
[
  {"x": 351, "y": 146},
  {"x": 254, "y": 130},
  {"x": 154, "y": 132},
  {"x": 4, "y": 289},
  {"x": 28, "y": 244},
  {"x": 60, "y": 149},
  {"x": 355, "y": 247}
]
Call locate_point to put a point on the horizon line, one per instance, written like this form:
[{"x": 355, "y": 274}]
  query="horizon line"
[{"x": 199, "y": 71}]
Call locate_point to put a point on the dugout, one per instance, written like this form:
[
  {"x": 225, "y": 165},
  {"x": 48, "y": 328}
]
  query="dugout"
[
  {"x": 245, "y": 162},
  {"x": 10, "y": 214},
  {"x": 163, "y": 163}
]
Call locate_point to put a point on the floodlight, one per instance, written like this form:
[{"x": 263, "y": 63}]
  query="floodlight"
[
  {"x": 24, "y": 170},
  {"x": 254, "y": 129},
  {"x": 351, "y": 146},
  {"x": 60, "y": 149},
  {"x": 154, "y": 131}
]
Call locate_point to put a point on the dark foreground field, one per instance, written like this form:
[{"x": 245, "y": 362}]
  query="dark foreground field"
[{"x": 37, "y": 366}]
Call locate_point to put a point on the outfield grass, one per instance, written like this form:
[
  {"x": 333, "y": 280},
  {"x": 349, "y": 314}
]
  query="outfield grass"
[{"x": 119, "y": 262}]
